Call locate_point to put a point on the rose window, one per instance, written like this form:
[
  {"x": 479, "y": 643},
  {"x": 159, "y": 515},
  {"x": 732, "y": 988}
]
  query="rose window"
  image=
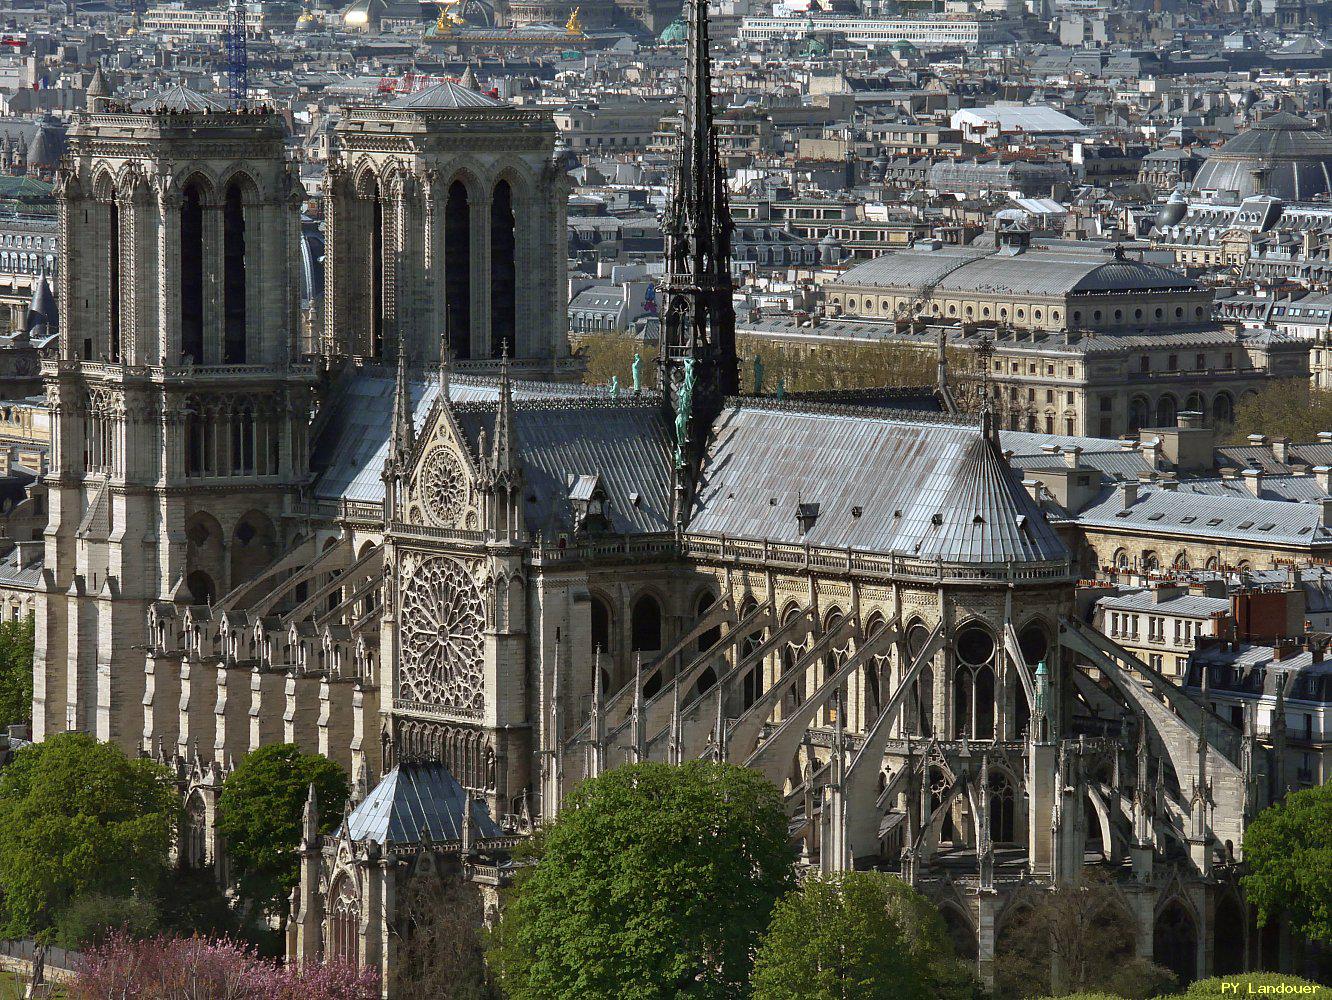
[
  {"x": 442, "y": 487},
  {"x": 442, "y": 646}
]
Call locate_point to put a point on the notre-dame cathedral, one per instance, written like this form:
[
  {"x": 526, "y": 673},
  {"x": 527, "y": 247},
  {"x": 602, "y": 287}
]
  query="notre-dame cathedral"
[{"x": 410, "y": 541}]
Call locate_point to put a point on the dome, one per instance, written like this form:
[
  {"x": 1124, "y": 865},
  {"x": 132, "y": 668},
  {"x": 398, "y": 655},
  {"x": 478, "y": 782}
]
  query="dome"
[
  {"x": 1283, "y": 155},
  {"x": 676, "y": 32},
  {"x": 1172, "y": 211},
  {"x": 814, "y": 46}
]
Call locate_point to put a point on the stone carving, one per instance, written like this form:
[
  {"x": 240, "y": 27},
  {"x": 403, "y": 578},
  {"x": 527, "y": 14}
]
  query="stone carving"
[
  {"x": 442, "y": 493},
  {"x": 442, "y": 619}
]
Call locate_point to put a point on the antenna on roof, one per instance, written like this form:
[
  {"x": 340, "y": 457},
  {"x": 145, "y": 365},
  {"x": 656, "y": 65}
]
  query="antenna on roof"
[{"x": 238, "y": 84}]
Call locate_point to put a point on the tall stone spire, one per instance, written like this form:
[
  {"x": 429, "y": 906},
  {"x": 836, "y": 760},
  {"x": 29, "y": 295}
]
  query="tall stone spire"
[
  {"x": 698, "y": 316},
  {"x": 403, "y": 431}
]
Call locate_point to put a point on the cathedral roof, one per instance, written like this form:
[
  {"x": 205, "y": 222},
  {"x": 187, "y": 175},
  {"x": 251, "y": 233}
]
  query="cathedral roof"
[
  {"x": 178, "y": 99},
  {"x": 415, "y": 802},
  {"x": 904, "y": 484},
  {"x": 446, "y": 96},
  {"x": 626, "y": 445},
  {"x": 351, "y": 447}
]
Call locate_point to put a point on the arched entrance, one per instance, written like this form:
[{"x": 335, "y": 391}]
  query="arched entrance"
[{"x": 1175, "y": 942}]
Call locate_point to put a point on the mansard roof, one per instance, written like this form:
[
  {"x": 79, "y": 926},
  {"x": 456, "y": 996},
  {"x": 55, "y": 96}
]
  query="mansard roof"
[
  {"x": 884, "y": 482},
  {"x": 415, "y": 802}
]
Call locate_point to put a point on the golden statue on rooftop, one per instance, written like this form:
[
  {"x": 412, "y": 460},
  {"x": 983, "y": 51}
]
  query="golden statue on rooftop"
[
  {"x": 574, "y": 26},
  {"x": 447, "y": 19}
]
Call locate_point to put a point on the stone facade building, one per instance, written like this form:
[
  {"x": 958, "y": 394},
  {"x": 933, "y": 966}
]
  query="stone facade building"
[{"x": 474, "y": 585}]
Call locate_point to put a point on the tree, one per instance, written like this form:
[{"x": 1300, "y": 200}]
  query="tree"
[
  {"x": 78, "y": 817},
  {"x": 612, "y": 353},
  {"x": 1289, "y": 857},
  {"x": 851, "y": 365},
  {"x": 440, "y": 953},
  {"x": 1285, "y": 408},
  {"x": 93, "y": 919},
  {"x": 166, "y": 968},
  {"x": 16, "y": 644},
  {"x": 259, "y": 814},
  {"x": 1074, "y": 939},
  {"x": 655, "y": 881},
  {"x": 857, "y": 934}
]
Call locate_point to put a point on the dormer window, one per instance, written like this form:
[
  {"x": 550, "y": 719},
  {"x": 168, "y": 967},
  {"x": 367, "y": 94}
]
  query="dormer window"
[{"x": 591, "y": 505}]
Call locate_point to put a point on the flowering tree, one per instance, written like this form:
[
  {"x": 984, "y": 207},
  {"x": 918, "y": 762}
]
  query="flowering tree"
[{"x": 164, "y": 968}]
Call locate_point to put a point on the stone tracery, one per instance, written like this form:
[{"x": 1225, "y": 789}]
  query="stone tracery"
[{"x": 441, "y": 620}]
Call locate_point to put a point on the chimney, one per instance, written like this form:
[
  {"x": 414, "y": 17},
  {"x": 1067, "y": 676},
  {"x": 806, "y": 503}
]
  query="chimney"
[
  {"x": 1281, "y": 449},
  {"x": 1258, "y": 440},
  {"x": 1151, "y": 452},
  {"x": 1071, "y": 456},
  {"x": 1127, "y": 444},
  {"x": 1033, "y": 488},
  {"x": 1327, "y": 512},
  {"x": 1190, "y": 419},
  {"x": 1325, "y": 437},
  {"x": 1253, "y": 479},
  {"x": 1128, "y": 496}
]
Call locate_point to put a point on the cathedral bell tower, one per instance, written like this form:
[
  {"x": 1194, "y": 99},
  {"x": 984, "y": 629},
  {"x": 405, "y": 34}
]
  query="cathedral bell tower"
[
  {"x": 179, "y": 410},
  {"x": 697, "y": 365}
]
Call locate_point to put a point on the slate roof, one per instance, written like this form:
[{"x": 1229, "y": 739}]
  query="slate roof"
[
  {"x": 415, "y": 802},
  {"x": 350, "y": 450},
  {"x": 626, "y": 444},
  {"x": 445, "y": 96},
  {"x": 1056, "y": 271},
  {"x": 923, "y": 488},
  {"x": 1241, "y": 518},
  {"x": 1185, "y": 605}
]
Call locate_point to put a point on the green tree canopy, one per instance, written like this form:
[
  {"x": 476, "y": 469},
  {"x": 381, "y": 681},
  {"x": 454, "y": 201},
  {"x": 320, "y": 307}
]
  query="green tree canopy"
[
  {"x": 1285, "y": 408},
  {"x": 655, "y": 882},
  {"x": 1289, "y": 856},
  {"x": 259, "y": 813},
  {"x": 858, "y": 934},
  {"x": 16, "y": 670},
  {"x": 78, "y": 817}
]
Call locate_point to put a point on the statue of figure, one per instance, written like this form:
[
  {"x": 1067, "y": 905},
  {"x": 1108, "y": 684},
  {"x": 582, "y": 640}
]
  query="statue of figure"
[
  {"x": 758, "y": 374},
  {"x": 781, "y": 388},
  {"x": 615, "y": 387},
  {"x": 637, "y": 370},
  {"x": 39, "y": 964},
  {"x": 686, "y": 403}
]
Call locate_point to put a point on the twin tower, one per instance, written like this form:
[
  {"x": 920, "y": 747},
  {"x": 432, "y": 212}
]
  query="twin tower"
[{"x": 187, "y": 384}]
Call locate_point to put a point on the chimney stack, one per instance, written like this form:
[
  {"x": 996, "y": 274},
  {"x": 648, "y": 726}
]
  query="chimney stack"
[
  {"x": 1128, "y": 496},
  {"x": 1071, "y": 456},
  {"x": 1253, "y": 479},
  {"x": 1323, "y": 473}
]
